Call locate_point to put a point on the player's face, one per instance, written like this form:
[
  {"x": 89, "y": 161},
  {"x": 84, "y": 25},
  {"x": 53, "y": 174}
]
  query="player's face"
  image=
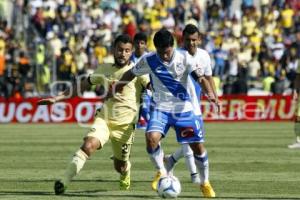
[
  {"x": 140, "y": 46},
  {"x": 122, "y": 53},
  {"x": 191, "y": 42},
  {"x": 165, "y": 53}
]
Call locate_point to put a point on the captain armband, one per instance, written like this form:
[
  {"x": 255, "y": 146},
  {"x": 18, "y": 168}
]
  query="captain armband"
[{"x": 196, "y": 74}]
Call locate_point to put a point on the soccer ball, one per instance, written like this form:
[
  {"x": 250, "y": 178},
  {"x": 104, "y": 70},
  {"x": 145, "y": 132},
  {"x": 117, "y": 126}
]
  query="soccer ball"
[{"x": 168, "y": 187}]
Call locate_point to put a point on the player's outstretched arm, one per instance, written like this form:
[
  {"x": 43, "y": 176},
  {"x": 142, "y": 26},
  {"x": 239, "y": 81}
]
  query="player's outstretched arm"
[
  {"x": 68, "y": 93},
  {"x": 118, "y": 86}
]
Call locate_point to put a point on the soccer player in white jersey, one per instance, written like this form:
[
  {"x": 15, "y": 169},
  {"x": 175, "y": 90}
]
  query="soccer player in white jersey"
[
  {"x": 200, "y": 58},
  {"x": 174, "y": 98}
]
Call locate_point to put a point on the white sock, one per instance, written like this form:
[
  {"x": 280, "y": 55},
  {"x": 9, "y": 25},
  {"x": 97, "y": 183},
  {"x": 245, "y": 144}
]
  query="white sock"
[
  {"x": 178, "y": 153},
  {"x": 74, "y": 166},
  {"x": 189, "y": 158},
  {"x": 203, "y": 166},
  {"x": 157, "y": 158},
  {"x": 298, "y": 139}
]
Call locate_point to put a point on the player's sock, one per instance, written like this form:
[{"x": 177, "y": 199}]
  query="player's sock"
[
  {"x": 189, "y": 158},
  {"x": 203, "y": 166},
  {"x": 298, "y": 139},
  {"x": 297, "y": 131},
  {"x": 171, "y": 160},
  {"x": 296, "y": 145},
  {"x": 128, "y": 167},
  {"x": 157, "y": 158},
  {"x": 74, "y": 166},
  {"x": 178, "y": 153}
]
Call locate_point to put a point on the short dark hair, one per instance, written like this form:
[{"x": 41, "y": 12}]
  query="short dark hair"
[
  {"x": 163, "y": 39},
  {"x": 124, "y": 38},
  {"x": 190, "y": 29},
  {"x": 140, "y": 37}
]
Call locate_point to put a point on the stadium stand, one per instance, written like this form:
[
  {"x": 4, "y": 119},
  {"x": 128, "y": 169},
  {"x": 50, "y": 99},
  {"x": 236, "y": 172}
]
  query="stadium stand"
[{"x": 255, "y": 45}]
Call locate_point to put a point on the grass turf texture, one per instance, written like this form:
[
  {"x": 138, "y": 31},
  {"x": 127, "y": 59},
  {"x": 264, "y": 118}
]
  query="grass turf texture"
[{"x": 247, "y": 161}]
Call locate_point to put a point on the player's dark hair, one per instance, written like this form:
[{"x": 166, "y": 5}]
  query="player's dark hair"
[
  {"x": 140, "y": 37},
  {"x": 124, "y": 38},
  {"x": 190, "y": 29},
  {"x": 163, "y": 39}
]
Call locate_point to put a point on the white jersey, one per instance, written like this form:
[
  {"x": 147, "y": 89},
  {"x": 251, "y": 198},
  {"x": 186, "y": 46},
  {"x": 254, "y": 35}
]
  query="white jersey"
[
  {"x": 173, "y": 86},
  {"x": 202, "y": 61}
]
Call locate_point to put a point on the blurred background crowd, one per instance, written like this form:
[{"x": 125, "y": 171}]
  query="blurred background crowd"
[{"x": 254, "y": 44}]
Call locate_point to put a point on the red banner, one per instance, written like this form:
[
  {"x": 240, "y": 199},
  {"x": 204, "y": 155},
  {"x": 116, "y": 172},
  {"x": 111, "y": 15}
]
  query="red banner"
[{"x": 234, "y": 108}]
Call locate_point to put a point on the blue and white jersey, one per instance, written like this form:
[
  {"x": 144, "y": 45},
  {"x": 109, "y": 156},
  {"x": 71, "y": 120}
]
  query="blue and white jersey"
[
  {"x": 173, "y": 86},
  {"x": 135, "y": 59}
]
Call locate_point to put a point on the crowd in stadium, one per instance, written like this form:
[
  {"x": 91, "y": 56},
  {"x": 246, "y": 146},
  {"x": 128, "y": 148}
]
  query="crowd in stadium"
[{"x": 255, "y": 48}]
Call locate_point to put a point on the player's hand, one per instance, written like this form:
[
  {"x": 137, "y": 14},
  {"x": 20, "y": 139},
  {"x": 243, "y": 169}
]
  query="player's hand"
[
  {"x": 212, "y": 99},
  {"x": 47, "y": 101},
  {"x": 110, "y": 91},
  {"x": 218, "y": 105}
]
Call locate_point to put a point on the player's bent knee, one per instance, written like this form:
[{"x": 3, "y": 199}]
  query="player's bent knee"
[
  {"x": 152, "y": 140},
  {"x": 90, "y": 145},
  {"x": 198, "y": 148}
]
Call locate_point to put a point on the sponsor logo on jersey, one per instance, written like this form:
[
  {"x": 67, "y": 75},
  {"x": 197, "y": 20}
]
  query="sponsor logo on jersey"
[
  {"x": 179, "y": 68},
  {"x": 187, "y": 132}
]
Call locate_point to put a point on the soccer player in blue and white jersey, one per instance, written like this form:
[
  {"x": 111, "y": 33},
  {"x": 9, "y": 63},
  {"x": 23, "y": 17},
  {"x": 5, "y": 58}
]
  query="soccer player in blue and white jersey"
[
  {"x": 140, "y": 49},
  {"x": 140, "y": 46},
  {"x": 200, "y": 58},
  {"x": 174, "y": 98}
]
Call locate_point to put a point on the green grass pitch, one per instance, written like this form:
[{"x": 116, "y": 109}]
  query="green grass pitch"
[{"x": 247, "y": 161}]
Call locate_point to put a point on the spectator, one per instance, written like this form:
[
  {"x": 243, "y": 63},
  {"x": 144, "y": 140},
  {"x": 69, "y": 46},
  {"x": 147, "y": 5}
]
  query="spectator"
[
  {"x": 256, "y": 33},
  {"x": 278, "y": 86},
  {"x": 254, "y": 69},
  {"x": 219, "y": 56},
  {"x": 240, "y": 86},
  {"x": 23, "y": 69},
  {"x": 267, "y": 82},
  {"x": 286, "y": 16}
]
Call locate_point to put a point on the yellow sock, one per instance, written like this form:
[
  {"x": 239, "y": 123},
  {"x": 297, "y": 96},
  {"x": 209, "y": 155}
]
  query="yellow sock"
[{"x": 74, "y": 166}]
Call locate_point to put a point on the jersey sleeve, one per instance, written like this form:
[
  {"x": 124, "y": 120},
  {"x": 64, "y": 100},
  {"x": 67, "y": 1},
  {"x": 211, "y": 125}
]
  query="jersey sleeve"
[
  {"x": 99, "y": 77},
  {"x": 96, "y": 78},
  {"x": 141, "y": 67}
]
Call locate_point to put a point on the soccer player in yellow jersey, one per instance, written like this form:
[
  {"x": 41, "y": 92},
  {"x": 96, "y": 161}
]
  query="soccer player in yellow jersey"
[{"x": 115, "y": 121}]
